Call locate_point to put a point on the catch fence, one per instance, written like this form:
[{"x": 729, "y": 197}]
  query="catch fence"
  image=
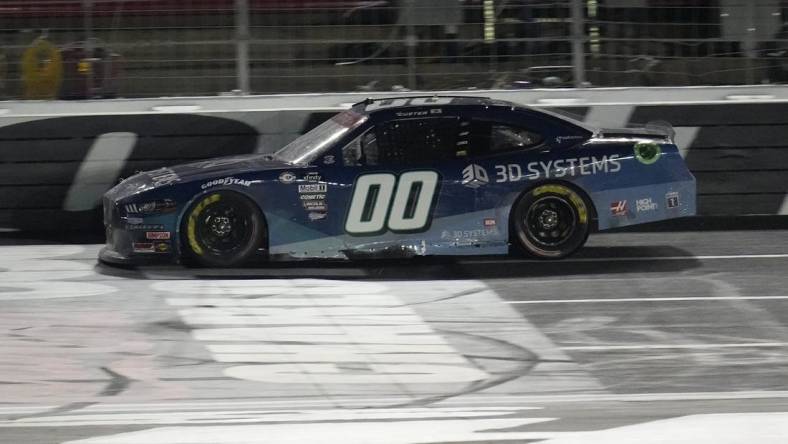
[{"x": 75, "y": 49}]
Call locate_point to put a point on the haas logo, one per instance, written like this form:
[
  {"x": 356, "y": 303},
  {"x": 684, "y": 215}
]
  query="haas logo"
[{"x": 474, "y": 176}]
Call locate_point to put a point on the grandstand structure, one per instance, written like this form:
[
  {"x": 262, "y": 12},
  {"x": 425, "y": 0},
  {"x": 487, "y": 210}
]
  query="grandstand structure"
[{"x": 149, "y": 48}]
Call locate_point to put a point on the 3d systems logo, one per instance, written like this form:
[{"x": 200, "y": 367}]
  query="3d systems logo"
[{"x": 474, "y": 176}]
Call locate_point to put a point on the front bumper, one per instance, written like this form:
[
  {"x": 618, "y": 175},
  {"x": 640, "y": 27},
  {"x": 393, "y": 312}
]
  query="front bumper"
[
  {"x": 133, "y": 239},
  {"x": 112, "y": 257}
]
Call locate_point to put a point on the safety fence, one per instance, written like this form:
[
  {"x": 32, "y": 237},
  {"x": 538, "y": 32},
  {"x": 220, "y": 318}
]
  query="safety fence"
[
  {"x": 75, "y": 49},
  {"x": 57, "y": 159}
]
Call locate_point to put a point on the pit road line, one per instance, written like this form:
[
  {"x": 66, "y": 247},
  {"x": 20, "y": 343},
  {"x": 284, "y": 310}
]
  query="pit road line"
[
  {"x": 639, "y": 258},
  {"x": 674, "y": 346},
  {"x": 666, "y": 299}
]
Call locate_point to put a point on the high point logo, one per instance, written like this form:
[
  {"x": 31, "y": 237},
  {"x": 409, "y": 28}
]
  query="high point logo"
[{"x": 645, "y": 204}]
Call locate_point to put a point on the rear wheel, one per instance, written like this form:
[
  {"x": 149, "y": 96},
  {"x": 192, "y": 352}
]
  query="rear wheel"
[
  {"x": 223, "y": 229},
  {"x": 550, "y": 221}
]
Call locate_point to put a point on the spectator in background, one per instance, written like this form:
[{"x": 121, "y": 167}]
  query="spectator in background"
[{"x": 434, "y": 20}]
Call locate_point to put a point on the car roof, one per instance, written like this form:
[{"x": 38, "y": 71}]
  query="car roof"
[
  {"x": 428, "y": 100},
  {"x": 373, "y": 105}
]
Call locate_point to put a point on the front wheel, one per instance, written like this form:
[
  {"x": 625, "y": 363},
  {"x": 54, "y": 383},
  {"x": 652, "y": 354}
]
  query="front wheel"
[
  {"x": 550, "y": 221},
  {"x": 223, "y": 229}
]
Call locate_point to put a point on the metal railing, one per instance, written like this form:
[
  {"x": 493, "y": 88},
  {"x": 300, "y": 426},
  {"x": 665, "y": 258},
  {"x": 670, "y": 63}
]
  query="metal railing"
[{"x": 75, "y": 49}]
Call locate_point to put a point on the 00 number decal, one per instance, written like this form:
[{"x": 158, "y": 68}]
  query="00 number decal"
[{"x": 380, "y": 201}]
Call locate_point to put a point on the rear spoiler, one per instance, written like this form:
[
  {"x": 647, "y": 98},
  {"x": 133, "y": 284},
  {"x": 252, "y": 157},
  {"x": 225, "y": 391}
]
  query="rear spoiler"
[{"x": 652, "y": 130}]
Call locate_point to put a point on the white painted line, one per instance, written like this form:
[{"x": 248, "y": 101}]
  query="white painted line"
[
  {"x": 685, "y": 137},
  {"x": 99, "y": 170},
  {"x": 523, "y": 401},
  {"x": 609, "y": 116},
  {"x": 665, "y": 299},
  {"x": 674, "y": 346},
  {"x": 634, "y": 397},
  {"x": 721, "y": 428}
]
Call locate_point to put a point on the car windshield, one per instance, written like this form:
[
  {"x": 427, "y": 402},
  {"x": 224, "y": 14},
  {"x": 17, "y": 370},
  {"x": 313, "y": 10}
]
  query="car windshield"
[{"x": 312, "y": 144}]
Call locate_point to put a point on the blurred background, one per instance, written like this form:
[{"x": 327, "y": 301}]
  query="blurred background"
[{"x": 76, "y": 49}]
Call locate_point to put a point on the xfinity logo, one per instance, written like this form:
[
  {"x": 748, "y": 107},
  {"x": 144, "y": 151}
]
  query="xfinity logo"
[{"x": 474, "y": 176}]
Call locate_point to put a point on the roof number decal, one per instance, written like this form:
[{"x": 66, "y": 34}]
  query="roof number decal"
[{"x": 415, "y": 101}]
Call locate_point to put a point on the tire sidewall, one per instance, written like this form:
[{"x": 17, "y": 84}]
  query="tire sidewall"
[
  {"x": 193, "y": 250},
  {"x": 520, "y": 230}
]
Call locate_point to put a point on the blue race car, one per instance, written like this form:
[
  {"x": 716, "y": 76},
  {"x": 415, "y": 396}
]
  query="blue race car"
[{"x": 405, "y": 177}]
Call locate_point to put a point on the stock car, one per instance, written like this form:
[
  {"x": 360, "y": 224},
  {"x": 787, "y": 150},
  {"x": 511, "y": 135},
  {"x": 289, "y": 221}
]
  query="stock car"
[{"x": 404, "y": 177}]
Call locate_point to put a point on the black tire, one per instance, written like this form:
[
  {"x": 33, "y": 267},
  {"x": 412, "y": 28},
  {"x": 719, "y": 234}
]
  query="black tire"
[
  {"x": 550, "y": 221},
  {"x": 222, "y": 229}
]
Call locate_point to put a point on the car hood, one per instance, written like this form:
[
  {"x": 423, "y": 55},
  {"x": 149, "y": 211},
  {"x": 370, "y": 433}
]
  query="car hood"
[
  {"x": 221, "y": 166},
  {"x": 195, "y": 171}
]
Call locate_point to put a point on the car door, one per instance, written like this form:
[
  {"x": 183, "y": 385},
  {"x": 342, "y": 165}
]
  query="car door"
[{"x": 400, "y": 189}]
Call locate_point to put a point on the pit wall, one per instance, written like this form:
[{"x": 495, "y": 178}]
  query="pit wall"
[{"x": 58, "y": 158}]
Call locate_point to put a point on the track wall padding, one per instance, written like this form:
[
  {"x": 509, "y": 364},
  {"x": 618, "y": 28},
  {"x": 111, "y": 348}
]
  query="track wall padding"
[{"x": 737, "y": 141}]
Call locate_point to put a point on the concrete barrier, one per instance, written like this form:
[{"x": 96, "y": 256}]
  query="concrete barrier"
[{"x": 57, "y": 158}]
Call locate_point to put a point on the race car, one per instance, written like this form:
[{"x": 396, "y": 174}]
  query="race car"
[{"x": 404, "y": 177}]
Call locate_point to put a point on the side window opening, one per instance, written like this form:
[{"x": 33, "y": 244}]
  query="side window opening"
[
  {"x": 404, "y": 142},
  {"x": 508, "y": 138},
  {"x": 487, "y": 138},
  {"x": 363, "y": 150}
]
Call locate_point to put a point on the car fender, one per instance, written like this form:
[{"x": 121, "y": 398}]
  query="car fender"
[
  {"x": 202, "y": 193},
  {"x": 510, "y": 200}
]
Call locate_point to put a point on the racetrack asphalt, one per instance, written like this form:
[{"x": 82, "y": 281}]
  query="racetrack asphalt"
[{"x": 667, "y": 337}]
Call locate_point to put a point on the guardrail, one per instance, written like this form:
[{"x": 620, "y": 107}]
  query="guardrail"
[{"x": 58, "y": 158}]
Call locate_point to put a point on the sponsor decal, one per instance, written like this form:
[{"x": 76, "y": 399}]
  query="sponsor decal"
[
  {"x": 469, "y": 235},
  {"x": 474, "y": 176},
  {"x": 315, "y": 202},
  {"x": 645, "y": 204},
  {"x": 314, "y": 176},
  {"x": 489, "y": 222},
  {"x": 305, "y": 197},
  {"x": 647, "y": 152},
  {"x": 329, "y": 160},
  {"x": 312, "y": 188},
  {"x": 672, "y": 200},
  {"x": 314, "y": 215},
  {"x": 161, "y": 247},
  {"x": 554, "y": 169},
  {"x": 145, "y": 227},
  {"x": 228, "y": 181},
  {"x": 315, "y": 205},
  {"x": 287, "y": 177},
  {"x": 562, "y": 139},
  {"x": 134, "y": 220},
  {"x": 159, "y": 206},
  {"x": 158, "y": 235},
  {"x": 143, "y": 247},
  {"x": 163, "y": 176},
  {"x": 618, "y": 208}
]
